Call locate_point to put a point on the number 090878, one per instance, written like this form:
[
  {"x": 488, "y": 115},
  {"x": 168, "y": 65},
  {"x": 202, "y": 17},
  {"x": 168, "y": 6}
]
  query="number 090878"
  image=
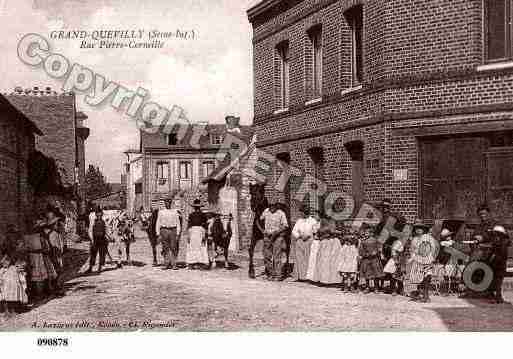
[{"x": 53, "y": 342}]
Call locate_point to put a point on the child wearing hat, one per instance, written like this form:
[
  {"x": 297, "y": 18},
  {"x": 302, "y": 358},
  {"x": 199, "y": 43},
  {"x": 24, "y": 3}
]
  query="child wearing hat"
[{"x": 371, "y": 268}]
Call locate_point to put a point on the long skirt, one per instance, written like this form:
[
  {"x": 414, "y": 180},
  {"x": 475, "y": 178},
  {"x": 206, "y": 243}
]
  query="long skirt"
[
  {"x": 196, "y": 250},
  {"x": 371, "y": 268},
  {"x": 329, "y": 260},
  {"x": 416, "y": 274},
  {"x": 312, "y": 273},
  {"x": 14, "y": 286},
  {"x": 41, "y": 267},
  {"x": 302, "y": 258}
]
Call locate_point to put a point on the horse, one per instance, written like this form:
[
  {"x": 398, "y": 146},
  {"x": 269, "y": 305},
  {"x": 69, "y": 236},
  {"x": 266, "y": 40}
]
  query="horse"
[{"x": 258, "y": 203}]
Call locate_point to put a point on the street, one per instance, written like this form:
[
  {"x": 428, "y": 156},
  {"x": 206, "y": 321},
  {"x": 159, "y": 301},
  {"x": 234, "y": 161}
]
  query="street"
[{"x": 149, "y": 298}]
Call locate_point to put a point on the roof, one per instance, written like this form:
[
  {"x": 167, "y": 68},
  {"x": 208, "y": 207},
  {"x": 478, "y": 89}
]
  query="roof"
[
  {"x": 228, "y": 164},
  {"x": 6, "y": 105},
  {"x": 159, "y": 140},
  {"x": 261, "y": 7}
]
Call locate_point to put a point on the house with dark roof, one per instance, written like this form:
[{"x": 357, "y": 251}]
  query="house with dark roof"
[
  {"x": 179, "y": 161},
  {"x": 65, "y": 134}
]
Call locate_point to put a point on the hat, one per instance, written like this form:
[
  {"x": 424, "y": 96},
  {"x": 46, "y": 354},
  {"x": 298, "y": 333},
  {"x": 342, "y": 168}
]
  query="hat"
[
  {"x": 197, "y": 203},
  {"x": 419, "y": 224},
  {"x": 385, "y": 203},
  {"x": 483, "y": 207},
  {"x": 445, "y": 233},
  {"x": 500, "y": 229},
  {"x": 54, "y": 209}
]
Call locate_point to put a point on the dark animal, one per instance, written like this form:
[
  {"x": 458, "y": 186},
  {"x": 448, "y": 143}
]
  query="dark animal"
[{"x": 222, "y": 238}]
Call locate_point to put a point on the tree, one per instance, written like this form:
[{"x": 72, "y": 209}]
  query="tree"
[{"x": 95, "y": 183}]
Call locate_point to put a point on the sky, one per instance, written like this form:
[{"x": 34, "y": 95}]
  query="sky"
[{"x": 209, "y": 76}]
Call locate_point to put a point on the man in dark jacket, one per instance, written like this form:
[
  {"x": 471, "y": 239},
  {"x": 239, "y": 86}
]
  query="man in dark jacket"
[
  {"x": 99, "y": 243},
  {"x": 499, "y": 260}
]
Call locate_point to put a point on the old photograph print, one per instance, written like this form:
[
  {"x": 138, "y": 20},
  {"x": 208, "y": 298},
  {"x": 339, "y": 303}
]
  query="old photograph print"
[{"x": 263, "y": 165}]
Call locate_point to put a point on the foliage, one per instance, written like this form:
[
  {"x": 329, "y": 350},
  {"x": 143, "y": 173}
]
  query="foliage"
[{"x": 95, "y": 183}]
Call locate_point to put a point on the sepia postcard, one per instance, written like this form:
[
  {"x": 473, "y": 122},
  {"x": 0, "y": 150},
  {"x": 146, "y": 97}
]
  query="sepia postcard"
[{"x": 255, "y": 166}]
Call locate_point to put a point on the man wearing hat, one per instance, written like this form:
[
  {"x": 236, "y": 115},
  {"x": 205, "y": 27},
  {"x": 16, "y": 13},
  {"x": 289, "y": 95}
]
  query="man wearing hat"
[
  {"x": 197, "y": 253},
  {"x": 99, "y": 244},
  {"x": 501, "y": 242},
  {"x": 168, "y": 228},
  {"x": 275, "y": 226}
]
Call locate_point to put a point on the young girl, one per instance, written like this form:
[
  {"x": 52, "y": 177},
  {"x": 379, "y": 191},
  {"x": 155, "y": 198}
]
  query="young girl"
[
  {"x": 371, "y": 268},
  {"x": 393, "y": 268},
  {"x": 349, "y": 264},
  {"x": 423, "y": 249},
  {"x": 13, "y": 277}
]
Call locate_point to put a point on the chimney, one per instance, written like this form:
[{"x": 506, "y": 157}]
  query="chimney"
[
  {"x": 232, "y": 122},
  {"x": 48, "y": 90},
  {"x": 27, "y": 91},
  {"x": 18, "y": 89}
]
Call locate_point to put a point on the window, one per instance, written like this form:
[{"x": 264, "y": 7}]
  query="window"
[
  {"x": 185, "y": 170},
  {"x": 216, "y": 139},
  {"x": 354, "y": 18},
  {"x": 172, "y": 139},
  {"x": 283, "y": 55},
  {"x": 208, "y": 168},
  {"x": 315, "y": 35},
  {"x": 501, "y": 139},
  {"x": 499, "y": 39},
  {"x": 162, "y": 173}
]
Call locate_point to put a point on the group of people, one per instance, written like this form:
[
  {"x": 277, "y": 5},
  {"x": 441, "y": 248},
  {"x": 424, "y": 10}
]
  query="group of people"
[
  {"x": 363, "y": 259},
  {"x": 208, "y": 235},
  {"x": 31, "y": 266}
]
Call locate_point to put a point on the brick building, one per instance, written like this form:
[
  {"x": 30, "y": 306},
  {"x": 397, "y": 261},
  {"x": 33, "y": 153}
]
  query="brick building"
[
  {"x": 17, "y": 141},
  {"x": 411, "y": 100},
  {"x": 57, "y": 117},
  {"x": 177, "y": 162}
]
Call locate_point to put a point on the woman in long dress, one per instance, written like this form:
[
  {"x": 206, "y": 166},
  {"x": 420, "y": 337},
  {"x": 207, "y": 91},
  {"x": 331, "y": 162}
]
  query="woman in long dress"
[
  {"x": 197, "y": 253},
  {"x": 303, "y": 232},
  {"x": 41, "y": 267},
  {"x": 330, "y": 253}
]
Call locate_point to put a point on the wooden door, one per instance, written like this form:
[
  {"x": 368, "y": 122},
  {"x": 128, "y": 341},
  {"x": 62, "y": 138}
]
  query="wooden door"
[{"x": 452, "y": 177}]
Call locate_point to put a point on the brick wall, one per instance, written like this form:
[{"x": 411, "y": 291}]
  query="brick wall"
[{"x": 421, "y": 60}]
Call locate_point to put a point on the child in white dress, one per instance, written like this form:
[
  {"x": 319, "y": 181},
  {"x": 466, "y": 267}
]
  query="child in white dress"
[{"x": 349, "y": 265}]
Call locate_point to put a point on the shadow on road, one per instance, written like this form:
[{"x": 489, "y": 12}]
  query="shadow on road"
[{"x": 483, "y": 317}]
